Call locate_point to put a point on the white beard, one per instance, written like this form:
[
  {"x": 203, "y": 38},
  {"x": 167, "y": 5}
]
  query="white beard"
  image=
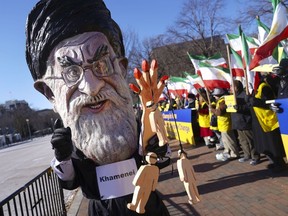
[{"x": 109, "y": 136}]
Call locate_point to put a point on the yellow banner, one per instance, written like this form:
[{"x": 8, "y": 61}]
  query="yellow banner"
[
  {"x": 185, "y": 131},
  {"x": 183, "y": 119},
  {"x": 230, "y": 102},
  {"x": 285, "y": 143}
]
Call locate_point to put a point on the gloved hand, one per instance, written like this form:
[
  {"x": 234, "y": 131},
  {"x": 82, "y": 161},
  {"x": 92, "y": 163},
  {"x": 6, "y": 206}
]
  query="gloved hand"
[
  {"x": 61, "y": 141},
  {"x": 276, "y": 107}
]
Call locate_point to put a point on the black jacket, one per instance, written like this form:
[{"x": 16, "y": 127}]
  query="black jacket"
[
  {"x": 283, "y": 88},
  {"x": 241, "y": 120}
]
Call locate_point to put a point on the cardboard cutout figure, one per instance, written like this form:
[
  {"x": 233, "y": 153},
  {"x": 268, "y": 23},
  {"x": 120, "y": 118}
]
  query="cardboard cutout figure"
[
  {"x": 157, "y": 123},
  {"x": 145, "y": 181},
  {"x": 187, "y": 176}
]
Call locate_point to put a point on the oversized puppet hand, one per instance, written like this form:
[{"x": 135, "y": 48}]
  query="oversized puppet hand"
[{"x": 149, "y": 91}]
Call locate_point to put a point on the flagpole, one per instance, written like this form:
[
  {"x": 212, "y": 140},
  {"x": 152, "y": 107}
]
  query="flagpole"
[
  {"x": 246, "y": 82},
  {"x": 207, "y": 94},
  {"x": 244, "y": 57},
  {"x": 231, "y": 74}
]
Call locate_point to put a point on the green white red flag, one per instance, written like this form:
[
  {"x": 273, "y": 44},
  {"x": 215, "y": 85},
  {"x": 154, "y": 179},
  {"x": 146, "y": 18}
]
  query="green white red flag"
[
  {"x": 195, "y": 80},
  {"x": 235, "y": 43},
  {"x": 236, "y": 64},
  {"x": 242, "y": 48},
  {"x": 215, "y": 77},
  {"x": 215, "y": 60},
  {"x": 278, "y": 32},
  {"x": 246, "y": 56},
  {"x": 179, "y": 86},
  {"x": 162, "y": 97},
  {"x": 263, "y": 31}
]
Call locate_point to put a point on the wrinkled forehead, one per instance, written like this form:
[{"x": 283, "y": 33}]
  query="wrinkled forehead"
[{"x": 81, "y": 46}]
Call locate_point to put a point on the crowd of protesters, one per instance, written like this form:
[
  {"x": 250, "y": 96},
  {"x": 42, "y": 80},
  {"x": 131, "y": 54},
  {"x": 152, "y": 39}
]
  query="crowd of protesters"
[{"x": 248, "y": 132}]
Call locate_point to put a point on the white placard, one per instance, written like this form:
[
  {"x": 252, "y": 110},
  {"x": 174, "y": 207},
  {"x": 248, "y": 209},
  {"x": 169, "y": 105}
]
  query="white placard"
[{"x": 115, "y": 180}]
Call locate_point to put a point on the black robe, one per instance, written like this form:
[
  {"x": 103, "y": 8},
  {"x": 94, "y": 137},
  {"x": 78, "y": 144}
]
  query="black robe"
[
  {"x": 269, "y": 143},
  {"x": 86, "y": 179}
]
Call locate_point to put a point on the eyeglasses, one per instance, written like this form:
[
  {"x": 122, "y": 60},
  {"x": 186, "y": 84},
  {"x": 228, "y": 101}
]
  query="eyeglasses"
[{"x": 73, "y": 74}]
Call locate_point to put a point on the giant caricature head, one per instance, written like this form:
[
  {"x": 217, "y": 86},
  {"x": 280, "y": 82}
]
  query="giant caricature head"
[{"x": 75, "y": 53}]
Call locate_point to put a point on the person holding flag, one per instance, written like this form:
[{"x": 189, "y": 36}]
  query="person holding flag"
[
  {"x": 204, "y": 119},
  {"x": 265, "y": 124},
  {"x": 242, "y": 122},
  {"x": 231, "y": 150}
]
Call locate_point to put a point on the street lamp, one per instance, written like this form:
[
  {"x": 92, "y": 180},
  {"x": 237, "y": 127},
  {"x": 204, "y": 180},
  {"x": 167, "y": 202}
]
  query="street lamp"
[{"x": 27, "y": 120}]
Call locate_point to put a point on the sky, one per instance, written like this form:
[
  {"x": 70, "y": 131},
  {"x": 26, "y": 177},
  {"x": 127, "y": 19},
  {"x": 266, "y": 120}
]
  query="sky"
[{"x": 147, "y": 18}]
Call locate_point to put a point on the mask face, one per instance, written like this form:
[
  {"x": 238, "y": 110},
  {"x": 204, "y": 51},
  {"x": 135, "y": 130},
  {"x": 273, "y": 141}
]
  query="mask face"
[{"x": 92, "y": 97}]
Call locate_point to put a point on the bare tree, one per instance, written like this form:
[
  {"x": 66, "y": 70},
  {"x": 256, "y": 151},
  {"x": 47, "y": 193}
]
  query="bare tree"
[
  {"x": 133, "y": 49},
  {"x": 252, "y": 9},
  {"x": 199, "y": 20},
  {"x": 136, "y": 51}
]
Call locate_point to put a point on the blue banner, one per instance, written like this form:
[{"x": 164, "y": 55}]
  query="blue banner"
[
  {"x": 283, "y": 117},
  {"x": 181, "y": 120},
  {"x": 283, "y": 122}
]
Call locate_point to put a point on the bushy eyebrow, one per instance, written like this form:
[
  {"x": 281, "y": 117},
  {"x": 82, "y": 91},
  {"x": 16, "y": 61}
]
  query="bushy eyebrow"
[
  {"x": 66, "y": 61},
  {"x": 100, "y": 52}
]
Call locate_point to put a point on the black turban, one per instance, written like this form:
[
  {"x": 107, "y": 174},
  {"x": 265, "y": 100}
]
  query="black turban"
[{"x": 52, "y": 21}]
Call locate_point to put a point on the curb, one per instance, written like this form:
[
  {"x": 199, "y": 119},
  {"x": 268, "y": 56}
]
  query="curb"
[{"x": 74, "y": 208}]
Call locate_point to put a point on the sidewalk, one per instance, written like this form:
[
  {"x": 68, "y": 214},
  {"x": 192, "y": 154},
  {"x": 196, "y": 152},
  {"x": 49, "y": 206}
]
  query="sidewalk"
[{"x": 226, "y": 188}]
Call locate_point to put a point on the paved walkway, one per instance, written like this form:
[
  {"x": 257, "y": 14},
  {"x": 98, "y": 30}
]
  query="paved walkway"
[{"x": 226, "y": 188}]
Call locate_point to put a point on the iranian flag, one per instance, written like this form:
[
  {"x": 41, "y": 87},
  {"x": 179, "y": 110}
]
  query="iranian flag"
[
  {"x": 195, "y": 80},
  {"x": 236, "y": 64},
  {"x": 278, "y": 32},
  {"x": 215, "y": 60},
  {"x": 242, "y": 48},
  {"x": 235, "y": 42},
  {"x": 252, "y": 78},
  {"x": 263, "y": 31},
  {"x": 162, "y": 97},
  {"x": 179, "y": 86},
  {"x": 215, "y": 77}
]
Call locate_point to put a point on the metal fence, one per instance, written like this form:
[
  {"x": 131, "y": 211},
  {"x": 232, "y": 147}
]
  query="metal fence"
[{"x": 42, "y": 196}]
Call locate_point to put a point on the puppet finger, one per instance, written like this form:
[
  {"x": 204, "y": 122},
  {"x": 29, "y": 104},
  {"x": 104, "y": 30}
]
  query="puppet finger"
[
  {"x": 134, "y": 88},
  {"x": 161, "y": 86},
  {"x": 139, "y": 79},
  {"x": 153, "y": 74},
  {"x": 146, "y": 74}
]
